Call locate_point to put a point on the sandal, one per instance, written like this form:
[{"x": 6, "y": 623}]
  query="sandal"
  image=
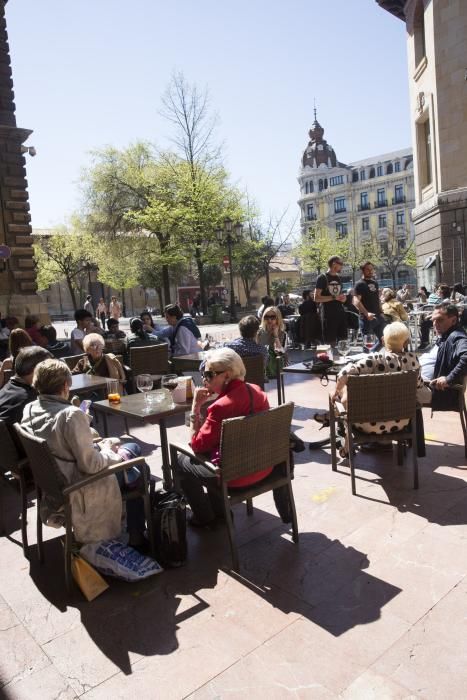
[{"x": 322, "y": 419}]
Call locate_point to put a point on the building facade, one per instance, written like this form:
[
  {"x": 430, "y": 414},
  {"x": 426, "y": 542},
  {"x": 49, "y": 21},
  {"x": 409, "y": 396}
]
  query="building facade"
[
  {"x": 437, "y": 69},
  {"x": 368, "y": 201}
]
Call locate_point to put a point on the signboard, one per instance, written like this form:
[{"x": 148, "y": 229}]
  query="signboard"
[
  {"x": 225, "y": 262},
  {"x": 5, "y": 252}
]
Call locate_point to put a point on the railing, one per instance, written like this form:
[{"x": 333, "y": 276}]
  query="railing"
[
  {"x": 341, "y": 210},
  {"x": 381, "y": 203},
  {"x": 363, "y": 207},
  {"x": 398, "y": 200},
  {"x": 310, "y": 217}
]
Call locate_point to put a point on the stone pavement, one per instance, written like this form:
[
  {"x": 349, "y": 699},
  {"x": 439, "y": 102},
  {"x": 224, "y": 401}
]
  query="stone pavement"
[{"x": 370, "y": 604}]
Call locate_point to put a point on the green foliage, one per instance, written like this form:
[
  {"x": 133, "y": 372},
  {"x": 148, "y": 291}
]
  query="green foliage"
[
  {"x": 280, "y": 287},
  {"x": 317, "y": 246}
]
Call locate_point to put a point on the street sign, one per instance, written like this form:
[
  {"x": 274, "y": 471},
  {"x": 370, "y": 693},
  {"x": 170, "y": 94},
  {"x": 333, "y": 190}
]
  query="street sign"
[
  {"x": 5, "y": 252},
  {"x": 225, "y": 262}
]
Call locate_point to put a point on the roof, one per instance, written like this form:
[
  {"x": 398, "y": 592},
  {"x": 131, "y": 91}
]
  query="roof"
[
  {"x": 395, "y": 7},
  {"x": 393, "y": 155}
]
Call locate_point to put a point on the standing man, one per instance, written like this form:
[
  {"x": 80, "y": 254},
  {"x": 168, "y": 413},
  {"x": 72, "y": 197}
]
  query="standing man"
[
  {"x": 366, "y": 300},
  {"x": 88, "y": 305},
  {"x": 329, "y": 294}
]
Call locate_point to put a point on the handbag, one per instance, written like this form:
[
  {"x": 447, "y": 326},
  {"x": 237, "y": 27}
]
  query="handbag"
[
  {"x": 169, "y": 527},
  {"x": 89, "y": 580}
]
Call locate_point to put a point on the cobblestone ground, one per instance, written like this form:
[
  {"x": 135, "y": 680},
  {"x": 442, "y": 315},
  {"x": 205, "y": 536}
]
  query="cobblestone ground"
[{"x": 370, "y": 603}]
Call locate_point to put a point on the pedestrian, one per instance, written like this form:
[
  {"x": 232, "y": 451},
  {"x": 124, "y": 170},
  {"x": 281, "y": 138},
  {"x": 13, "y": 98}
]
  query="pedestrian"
[
  {"x": 115, "y": 309},
  {"x": 329, "y": 295},
  {"x": 102, "y": 312},
  {"x": 88, "y": 305}
]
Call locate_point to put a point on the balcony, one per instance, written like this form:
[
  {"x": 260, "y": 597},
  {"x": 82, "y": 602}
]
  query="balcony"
[
  {"x": 398, "y": 200},
  {"x": 310, "y": 217},
  {"x": 341, "y": 210},
  {"x": 381, "y": 203},
  {"x": 363, "y": 207}
]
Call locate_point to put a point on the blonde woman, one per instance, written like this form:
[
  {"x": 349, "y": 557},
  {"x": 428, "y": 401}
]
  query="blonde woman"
[
  {"x": 272, "y": 334},
  {"x": 392, "y": 307}
]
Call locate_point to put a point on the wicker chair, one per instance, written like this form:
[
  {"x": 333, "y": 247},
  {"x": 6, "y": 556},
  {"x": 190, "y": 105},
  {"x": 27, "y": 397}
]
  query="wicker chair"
[
  {"x": 461, "y": 409},
  {"x": 377, "y": 397},
  {"x": 250, "y": 444},
  {"x": 72, "y": 360},
  {"x": 254, "y": 366},
  {"x": 11, "y": 461},
  {"x": 149, "y": 359},
  {"x": 50, "y": 480}
]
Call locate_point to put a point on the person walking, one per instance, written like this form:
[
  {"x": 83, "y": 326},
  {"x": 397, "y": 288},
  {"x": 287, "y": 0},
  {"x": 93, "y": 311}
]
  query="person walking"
[
  {"x": 101, "y": 311},
  {"x": 329, "y": 295},
  {"x": 88, "y": 305},
  {"x": 115, "y": 309}
]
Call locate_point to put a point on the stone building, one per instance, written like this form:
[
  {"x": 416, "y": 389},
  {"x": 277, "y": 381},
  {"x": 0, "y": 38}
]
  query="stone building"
[
  {"x": 437, "y": 69},
  {"x": 366, "y": 201},
  {"x": 17, "y": 275}
]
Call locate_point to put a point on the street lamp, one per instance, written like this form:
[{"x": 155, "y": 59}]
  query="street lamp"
[{"x": 230, "y": 235}]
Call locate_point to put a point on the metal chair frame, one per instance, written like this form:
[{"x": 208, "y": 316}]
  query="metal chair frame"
[{"x": 12, "y": 462}]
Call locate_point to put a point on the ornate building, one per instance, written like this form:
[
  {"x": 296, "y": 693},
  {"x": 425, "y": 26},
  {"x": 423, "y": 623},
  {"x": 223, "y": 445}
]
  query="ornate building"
[
  {"x": 437, "y": 69},
  {"x": 366, "y": 201}
]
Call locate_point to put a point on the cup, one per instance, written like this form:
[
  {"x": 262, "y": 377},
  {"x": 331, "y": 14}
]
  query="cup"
[{"x": 113, "y": 391}]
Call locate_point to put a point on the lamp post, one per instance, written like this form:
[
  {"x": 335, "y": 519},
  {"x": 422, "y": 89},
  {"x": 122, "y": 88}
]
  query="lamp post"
[{"x": 230, "y": 235}]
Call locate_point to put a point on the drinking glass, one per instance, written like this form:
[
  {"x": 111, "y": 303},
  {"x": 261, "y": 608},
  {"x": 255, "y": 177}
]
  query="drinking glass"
[
  {"x": 343, "y": 347},
  {"x": 352, "y": 336},
  {"x": 144, "y": 384},
  {"x": 369, "y": 340},
  {"x": 113, "y": 391},
  {"x": 170, "y": 382}
]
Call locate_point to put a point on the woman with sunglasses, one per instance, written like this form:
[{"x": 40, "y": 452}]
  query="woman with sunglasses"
[
  {"x": 272, "y": 334},
  {"x": 224, "y": 376}
]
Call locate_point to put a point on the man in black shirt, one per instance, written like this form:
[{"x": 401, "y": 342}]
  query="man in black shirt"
[
  {"x": 366, "y": 299},
  {"x": 18, "y": 391},
  {"x": 329, "y": 294}
]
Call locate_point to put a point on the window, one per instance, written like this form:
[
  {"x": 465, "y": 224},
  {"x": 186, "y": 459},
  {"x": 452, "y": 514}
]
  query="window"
[
  {"x": 398, "y": 194},
  {"x": 341, "y": 228},
  {"x": 400, "y": 218},
  {"x": 354, "y": 176},
  {"x": 427, "y": 149},
  {"x": 372, "y": 172},
  {"x": 384, "y": 249},
  {"x": 389, "y": 169},
  {"x": 337, "y": 180},
  {"x": 364, "y": 199},
  {"x": 419, "y": 32},
  {"x": 382, "y": 221},
  {"x": 401, "y": 245},
  {"x": 365, "y": 223},
  {"x": 379, "y": 170},
  {"x": 339, "y": 205},
  {"x": 309, "y": 212},
  {"x": 306, "y": 188},
  {"x": 323, "y": 184},
  {"x": 362, "y": 175},
  {"x": 397, "y": 167},
  {"x": 381, "y": 197}
]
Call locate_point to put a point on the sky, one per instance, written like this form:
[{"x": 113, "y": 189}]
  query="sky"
[{"x": 91, "y": 73}]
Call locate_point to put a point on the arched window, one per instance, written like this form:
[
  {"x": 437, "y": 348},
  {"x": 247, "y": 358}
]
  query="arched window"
[{"x": 389, "y": 169}]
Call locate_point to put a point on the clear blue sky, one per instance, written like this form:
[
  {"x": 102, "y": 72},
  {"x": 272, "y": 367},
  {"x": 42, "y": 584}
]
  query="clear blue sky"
[{"x": 89, "y": 73}]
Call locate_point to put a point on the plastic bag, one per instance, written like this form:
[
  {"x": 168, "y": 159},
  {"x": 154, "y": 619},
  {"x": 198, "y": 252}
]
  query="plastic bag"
[
  {"x": 87, "y": 578},
  {"x": 169, "y": 524},
  {"x": 113, "y": 558}
]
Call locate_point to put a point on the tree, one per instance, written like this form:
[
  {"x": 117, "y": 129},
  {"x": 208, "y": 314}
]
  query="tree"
[
  {"x": 64, "y": 255},
  {"x": 394, "y": 253},
  {"x": 317, "y": 246},
  {"x": 118, "y": 263},
  {"x": 204, "y": 196},
  {"x": 280, "y": 287}
]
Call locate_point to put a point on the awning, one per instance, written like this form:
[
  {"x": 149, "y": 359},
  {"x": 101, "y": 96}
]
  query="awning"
[{"x": 430, "y": 261}]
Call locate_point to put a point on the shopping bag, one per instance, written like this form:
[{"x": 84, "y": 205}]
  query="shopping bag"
[
  {"x": 169, "y": 527},
  {"x": 87, "y": 578}
]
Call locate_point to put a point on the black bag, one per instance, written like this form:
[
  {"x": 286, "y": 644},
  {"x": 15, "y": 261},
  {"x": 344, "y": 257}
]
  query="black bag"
[{"x": 169, "y": 524}]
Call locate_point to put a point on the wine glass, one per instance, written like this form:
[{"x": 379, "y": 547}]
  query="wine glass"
[
  {"x": 369, "y": 340},
  {"x": 144, "y": 384},
  {"x": 352, "y": 336},
  {"x": 170, "y": 382},
  {"x": 343, "y": 347}
]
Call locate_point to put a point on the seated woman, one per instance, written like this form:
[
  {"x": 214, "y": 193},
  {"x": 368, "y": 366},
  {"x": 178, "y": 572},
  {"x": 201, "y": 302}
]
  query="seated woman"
[
  {"x": 97, "y": 508},
  {"x": 391, "y": 307},
  {"x": 223, "y": 374},
  {"x": 272, "y": 334},
  {"x": 148, "y": 323},
  {"x": 96, "y": 362},
  {"x": 18, "y": 339},
  {"x": 138, "y": 337},
  {"x": 393, "y": 358}
]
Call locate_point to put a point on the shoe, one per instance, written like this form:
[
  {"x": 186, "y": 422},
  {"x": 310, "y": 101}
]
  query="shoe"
[{"x": 322, "y": 419}]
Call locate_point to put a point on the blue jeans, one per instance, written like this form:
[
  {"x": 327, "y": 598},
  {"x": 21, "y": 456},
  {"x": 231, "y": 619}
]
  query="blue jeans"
[
  {"x": 135, "y": 516},
  {"x": 376, "y": 327}
]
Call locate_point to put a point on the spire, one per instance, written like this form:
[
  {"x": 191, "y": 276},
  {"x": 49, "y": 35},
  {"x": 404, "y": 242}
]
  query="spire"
[{"x": 314, "y": 107}]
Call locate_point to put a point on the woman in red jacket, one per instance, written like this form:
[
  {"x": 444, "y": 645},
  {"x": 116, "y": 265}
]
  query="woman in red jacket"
[{"x": 223, "y": 374}]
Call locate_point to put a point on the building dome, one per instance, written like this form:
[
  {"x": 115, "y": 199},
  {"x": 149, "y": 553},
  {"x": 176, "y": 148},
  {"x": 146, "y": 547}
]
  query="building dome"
[{"x": 318, "y": 151}]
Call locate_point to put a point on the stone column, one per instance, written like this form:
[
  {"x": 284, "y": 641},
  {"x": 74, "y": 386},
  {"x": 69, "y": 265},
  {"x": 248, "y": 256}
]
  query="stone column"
[{"x": 17, "y": 275}]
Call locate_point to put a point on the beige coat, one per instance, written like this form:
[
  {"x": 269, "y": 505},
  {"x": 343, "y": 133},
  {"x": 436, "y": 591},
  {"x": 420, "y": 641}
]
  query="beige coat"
[{"x": 96, "y": 509}]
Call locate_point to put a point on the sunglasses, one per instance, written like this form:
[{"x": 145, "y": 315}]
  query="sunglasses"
[
  {"x": 270, "y": 318},
  {"x": 209, "y": 374}
]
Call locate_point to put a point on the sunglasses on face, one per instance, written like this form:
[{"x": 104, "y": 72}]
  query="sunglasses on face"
[
  {"x": 270, "y": 318},
  {"x": 209, "y": 374}
]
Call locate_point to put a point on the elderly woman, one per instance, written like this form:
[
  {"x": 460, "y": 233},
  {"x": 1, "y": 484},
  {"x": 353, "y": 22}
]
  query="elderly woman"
[
  {"x": 392, "y": 307},
  {"x": 224, "y": 375},
  {"x": 97, "y": 508},
  {"x": 393, "y": 358},
  {"x": 96, "y": 362},
  {"x": 272, "y": 334}
]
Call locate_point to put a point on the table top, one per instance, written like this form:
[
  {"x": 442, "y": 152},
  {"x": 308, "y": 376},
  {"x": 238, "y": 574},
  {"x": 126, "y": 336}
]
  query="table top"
[
  {"x": 87, "y": 382},
  {"x": 191, "y": 358},
  {"x": 302, "y": 368},
  {"x": 134, "y": 406}
]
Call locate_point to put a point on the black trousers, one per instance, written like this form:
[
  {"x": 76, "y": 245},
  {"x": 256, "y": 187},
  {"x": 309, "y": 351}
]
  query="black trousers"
[{"x": 193, "y": 479}]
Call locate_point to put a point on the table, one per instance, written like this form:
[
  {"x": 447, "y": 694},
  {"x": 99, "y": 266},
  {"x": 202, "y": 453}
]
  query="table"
[
  {"x": 134, "y": 406},
  {"x": 188, "y": 363},
  {"x": 85, "y": 383}
]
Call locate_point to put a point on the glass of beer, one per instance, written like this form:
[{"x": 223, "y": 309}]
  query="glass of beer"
[{"x": 113, "y": 391}]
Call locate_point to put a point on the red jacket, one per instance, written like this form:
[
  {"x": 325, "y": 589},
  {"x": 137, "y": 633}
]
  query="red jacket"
[{"x": 233, "y": 402}]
